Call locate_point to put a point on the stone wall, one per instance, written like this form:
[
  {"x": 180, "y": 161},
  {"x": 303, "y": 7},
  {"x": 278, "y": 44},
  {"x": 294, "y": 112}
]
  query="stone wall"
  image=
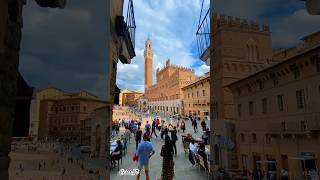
[{"x": 10, "y": 37}]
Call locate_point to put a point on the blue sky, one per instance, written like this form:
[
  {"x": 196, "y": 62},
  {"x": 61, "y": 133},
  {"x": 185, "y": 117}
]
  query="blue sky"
[
  {"x": 66, "y": 48},
  {"x": 172, "y": 26}
]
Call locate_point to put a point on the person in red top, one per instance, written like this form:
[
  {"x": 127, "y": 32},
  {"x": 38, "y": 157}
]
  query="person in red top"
[
  {"x": 158, "y": 124},
  {"x": 147, "y": 134}
]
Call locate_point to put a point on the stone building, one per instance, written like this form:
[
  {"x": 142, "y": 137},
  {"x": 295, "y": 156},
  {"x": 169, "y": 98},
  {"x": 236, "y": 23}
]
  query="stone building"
[
  {"x": 121, "y": 112},
  {"x": 129, "y": 98},
  {"x": 10, "y": 36},
  {"x": 44, "y": 94},
  {"x": 98, "y": 133},
  {"x": 166, "y": 95},
  {"x": 277, "y": 114},
  {"x": 196, "y": 97},
  {"x": 238, "y": 48},
  {"x": 61, "y": 118},
  {"x": 143, "y": 104}
]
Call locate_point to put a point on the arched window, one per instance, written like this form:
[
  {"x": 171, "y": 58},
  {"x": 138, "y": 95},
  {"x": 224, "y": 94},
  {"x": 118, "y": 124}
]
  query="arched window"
[{"x": 252, "y": 50}]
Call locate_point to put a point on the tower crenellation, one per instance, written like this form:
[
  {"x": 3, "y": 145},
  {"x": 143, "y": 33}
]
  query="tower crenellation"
[{"x": 238, "y": 23}]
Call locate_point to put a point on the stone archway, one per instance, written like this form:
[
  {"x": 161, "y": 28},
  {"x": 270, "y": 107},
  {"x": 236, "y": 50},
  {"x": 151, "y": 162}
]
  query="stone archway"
[
  {"x": 216, "y": 154},
  {"x": 98, "y": 138}
]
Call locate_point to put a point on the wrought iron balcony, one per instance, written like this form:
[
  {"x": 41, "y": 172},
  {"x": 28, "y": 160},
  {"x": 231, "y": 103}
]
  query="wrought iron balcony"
[
  {"x": 126, "y": 29},
  {"x": 203, "y": 34}
]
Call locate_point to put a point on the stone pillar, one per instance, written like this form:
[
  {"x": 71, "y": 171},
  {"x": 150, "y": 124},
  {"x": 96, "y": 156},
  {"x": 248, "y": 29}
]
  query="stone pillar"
[{"x": 10, "y": 37}]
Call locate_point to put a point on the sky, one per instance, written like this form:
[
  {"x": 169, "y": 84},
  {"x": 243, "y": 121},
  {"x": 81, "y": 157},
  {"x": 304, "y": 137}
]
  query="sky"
[{"x": 65, "y": 48}]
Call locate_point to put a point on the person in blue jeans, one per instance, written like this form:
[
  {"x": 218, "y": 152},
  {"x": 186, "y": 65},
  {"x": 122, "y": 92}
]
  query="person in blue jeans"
[{"x": 144, "y": 152}]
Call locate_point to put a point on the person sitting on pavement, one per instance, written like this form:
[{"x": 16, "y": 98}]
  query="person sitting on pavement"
[
  {"x": 193, "y": 147},
  {"x": 203, "y": 154},
  {"x": 116, "y": 154}
]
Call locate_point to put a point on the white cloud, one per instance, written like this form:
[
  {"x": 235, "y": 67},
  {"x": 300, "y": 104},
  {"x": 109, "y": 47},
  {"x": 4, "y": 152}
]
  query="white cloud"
[
  {"x": 171, "y": 25},
  {"x": 288, "y": 31},
  {"x": 201, "y": 70}
]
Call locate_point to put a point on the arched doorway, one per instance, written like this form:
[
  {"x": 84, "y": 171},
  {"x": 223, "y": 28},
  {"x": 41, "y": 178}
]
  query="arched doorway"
[
  {"x": 98, "y": 138},
  {"x": 216, "y": 154}
]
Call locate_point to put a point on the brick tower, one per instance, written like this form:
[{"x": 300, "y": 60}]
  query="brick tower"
[
  {"x": 148, "y": 58},
  {"x": 238, "y": 48}
]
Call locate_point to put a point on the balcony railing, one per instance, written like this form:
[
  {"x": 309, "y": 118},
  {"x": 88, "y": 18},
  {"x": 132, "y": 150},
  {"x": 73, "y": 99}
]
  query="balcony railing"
[
  {"x": 131, "y": 23},
  {"x": 126, "y": 29},
  {"x": 203, "y": 34}
]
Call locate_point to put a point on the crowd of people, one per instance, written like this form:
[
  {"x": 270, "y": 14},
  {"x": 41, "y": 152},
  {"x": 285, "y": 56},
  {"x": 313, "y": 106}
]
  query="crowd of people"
[{"x": 159, "y": 129}]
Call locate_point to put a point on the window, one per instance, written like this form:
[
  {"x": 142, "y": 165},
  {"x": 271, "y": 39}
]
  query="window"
[
  {"x": 254, "y": 137},
  {"x": 261, "y": 84},
  {"x": 204, "y": 92},
  {"x": 264, "y": 105},
  {"x": 303, "y": 125},
  {"x": 268, "y": 139},
  {"x": 245, "y": 161},
  {"x": 197, "y": 93},
  {"x": 316, "y": 60},
  {"x": 296, "y": 71},
  {"x": 242, "y": 137},
  {"x": 239, "y": 110},
  {"x": 283, "y": 126},
  {"x": 192, "y": 94},
  {"x": 239, "y": 91},
  {"x": 188, "y": 95},
  {"x": 251, "y": 108},
  {"x": 300, "y": 99},
  {"x": 280, "y": 103},
  {"x": 249, "y": 88}
]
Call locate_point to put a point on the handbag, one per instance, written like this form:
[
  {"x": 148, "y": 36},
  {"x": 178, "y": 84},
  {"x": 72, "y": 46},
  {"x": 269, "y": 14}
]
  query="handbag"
[{"x": 135, "y": 157}]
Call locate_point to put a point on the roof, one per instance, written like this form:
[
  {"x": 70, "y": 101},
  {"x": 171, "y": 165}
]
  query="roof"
[
  {"x": 78, "y": 98},
  {"x": 274, "y": 66},
  {"x": 311, "y": 35},
  {"x": 198, "y": 80},
  {"x": 67, "y": 93}
]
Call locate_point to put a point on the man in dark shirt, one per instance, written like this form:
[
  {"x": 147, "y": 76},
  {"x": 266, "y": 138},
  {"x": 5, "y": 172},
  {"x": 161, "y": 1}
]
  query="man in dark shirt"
[
  {"x": 138, "y": 136},
  {"x": 153, "y": 126}
]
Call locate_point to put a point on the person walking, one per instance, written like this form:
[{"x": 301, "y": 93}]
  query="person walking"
[
  {"x": 203, "y": 125},
  {"x": 148, "y": 134},
  {"x": 147, "y": 125},
  {"x": 183, "y": 126},
  {"x": 138, "y": 136},
  {"x": 144, "y": 152},
  {"x": 195, "y": 125},
  {"x": 153, "y": 126},
  {"x": 127, "y": 134},
  {"x": 174, "y": 139},
  {"x": 167, "y": 163}
]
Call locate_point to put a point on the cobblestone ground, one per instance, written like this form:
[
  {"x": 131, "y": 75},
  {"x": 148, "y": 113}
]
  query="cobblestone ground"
[
  {"x": 51, "y": 171},
  {"x": 30, "y": 161},
  {"x": 184, "y": 170}
]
